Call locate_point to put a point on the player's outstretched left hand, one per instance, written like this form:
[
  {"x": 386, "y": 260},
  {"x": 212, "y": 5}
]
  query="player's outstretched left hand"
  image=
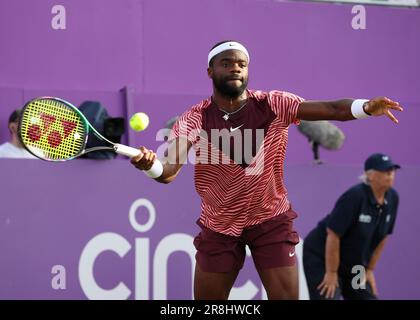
[{"x": 382, "y": 106}]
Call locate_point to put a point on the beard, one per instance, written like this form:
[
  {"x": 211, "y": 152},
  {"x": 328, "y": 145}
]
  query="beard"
[{"x": 229, "y": 90}]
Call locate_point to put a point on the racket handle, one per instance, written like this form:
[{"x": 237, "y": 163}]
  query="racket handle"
[
  {"x": 154, "y": 172},
  {"x": 126, "y": 150}
]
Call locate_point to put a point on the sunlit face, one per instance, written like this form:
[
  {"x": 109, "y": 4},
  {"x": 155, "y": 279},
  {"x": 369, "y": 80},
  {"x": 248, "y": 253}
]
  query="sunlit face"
[
  {"x": 381, "y": 179},
  {"x": 229, "y": 72}
]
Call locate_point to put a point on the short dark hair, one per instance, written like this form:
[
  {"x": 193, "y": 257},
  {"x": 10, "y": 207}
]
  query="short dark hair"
[
  {"x": 15, "y": 116},
  {"x": 216, "y": 45}
]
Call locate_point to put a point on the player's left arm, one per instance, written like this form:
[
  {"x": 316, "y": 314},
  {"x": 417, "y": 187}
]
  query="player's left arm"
[{"x": 346, "y": 109}]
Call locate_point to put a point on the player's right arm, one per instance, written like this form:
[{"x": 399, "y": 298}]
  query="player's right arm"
[{"x": 175, "y": 156}]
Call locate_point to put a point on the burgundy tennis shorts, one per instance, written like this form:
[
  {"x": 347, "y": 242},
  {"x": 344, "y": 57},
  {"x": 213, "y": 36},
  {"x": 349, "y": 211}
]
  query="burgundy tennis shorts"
[{"x": 272, "y": 244}]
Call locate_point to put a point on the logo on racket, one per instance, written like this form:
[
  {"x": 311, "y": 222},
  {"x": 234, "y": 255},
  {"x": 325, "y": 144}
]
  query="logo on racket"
[{"x": 46, "y": 124}]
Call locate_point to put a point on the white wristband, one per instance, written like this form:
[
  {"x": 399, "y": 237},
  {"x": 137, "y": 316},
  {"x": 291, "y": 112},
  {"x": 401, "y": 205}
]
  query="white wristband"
[
  {"x": 156, "y": 170},
  {"x": 357, "y": 109}
]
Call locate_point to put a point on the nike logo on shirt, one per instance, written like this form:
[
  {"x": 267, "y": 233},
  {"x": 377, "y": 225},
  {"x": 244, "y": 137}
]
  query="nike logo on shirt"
[{"x": 234, "y": 129}]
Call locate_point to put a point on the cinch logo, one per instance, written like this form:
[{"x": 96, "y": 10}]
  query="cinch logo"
[{"x": 176, "y": 242}]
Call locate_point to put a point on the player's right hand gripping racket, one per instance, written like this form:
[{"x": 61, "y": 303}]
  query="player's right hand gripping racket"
[{"x": 53, "y": 129}]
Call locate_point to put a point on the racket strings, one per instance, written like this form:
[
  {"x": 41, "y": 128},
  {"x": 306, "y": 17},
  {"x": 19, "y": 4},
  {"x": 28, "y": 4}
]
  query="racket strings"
[{"x": 52, "y": 130}]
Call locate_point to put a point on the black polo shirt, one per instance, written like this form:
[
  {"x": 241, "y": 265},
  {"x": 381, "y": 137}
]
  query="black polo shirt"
[{"x": 360, "y": 222}]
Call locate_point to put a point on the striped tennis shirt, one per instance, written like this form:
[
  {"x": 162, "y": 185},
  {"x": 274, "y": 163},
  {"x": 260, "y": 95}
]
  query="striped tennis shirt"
[{"x": 239, "y": 158}]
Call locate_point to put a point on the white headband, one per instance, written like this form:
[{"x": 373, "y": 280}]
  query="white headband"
[{"x": 227, "y": 46}]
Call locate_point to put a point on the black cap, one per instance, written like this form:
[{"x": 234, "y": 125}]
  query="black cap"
[{"x": 380, "y": 162}]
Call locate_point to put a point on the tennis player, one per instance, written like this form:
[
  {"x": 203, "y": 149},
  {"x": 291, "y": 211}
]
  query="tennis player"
[{"x": 244, "y": 199}]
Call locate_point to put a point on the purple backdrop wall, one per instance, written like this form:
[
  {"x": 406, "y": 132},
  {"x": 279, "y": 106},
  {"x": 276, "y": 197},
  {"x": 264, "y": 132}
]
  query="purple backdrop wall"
[{"x": 158, "y": 50}]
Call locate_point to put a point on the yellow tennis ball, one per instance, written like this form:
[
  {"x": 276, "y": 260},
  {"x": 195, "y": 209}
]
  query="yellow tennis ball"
[{"x": 139, "y": 121}]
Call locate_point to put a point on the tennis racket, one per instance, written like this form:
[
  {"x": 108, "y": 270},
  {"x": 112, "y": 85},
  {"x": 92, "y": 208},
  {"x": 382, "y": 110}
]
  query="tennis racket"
[{"x": 53, "y": 129}]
